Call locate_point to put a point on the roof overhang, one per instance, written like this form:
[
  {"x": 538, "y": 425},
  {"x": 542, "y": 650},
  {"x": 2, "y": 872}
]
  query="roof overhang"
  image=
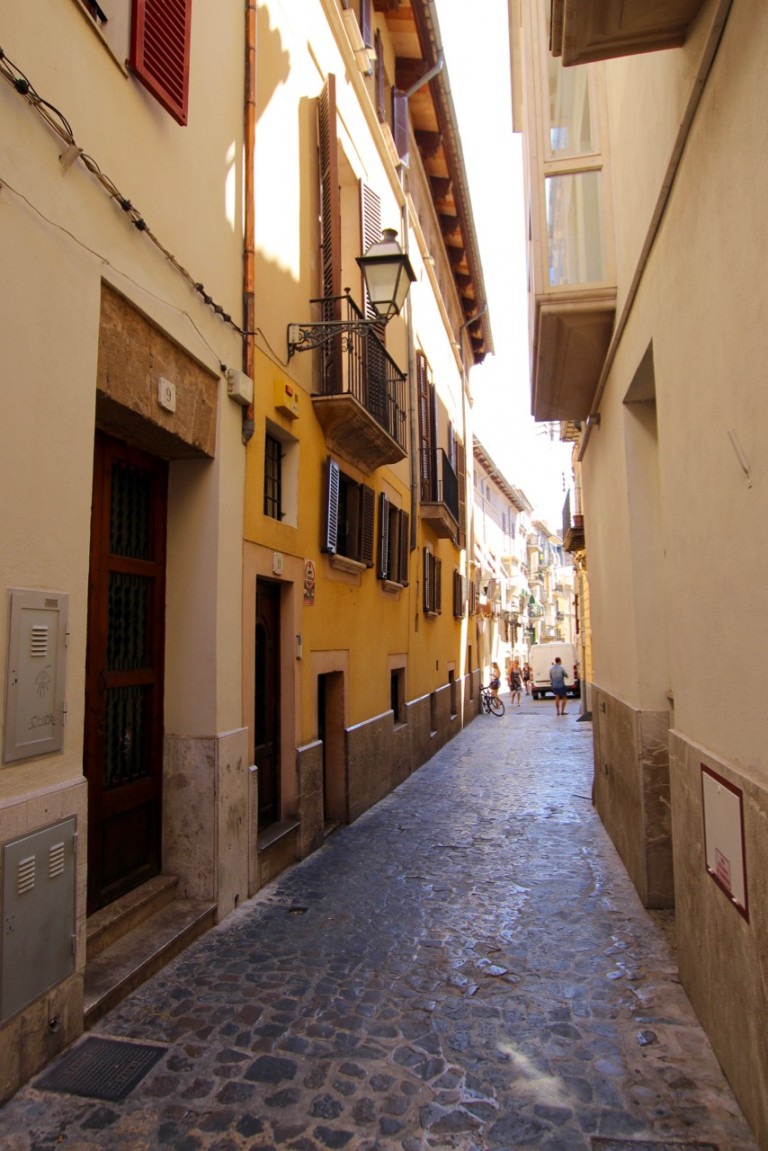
[
  {"x": 571, "y": 341},
  {"x": 587, "y": 30}
]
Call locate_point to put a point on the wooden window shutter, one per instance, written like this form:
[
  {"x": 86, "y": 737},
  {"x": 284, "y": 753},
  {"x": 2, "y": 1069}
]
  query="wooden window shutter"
[
  {"x": 370, "y": 233},
  {"x": 381, "y": 79},
  {"x": 427, "y": 579},
  {"x": 367, "y": 517},
  {"x": 366, "y": 22},
  {"x": 384, "y": 543},
  {"x": 458, "y": 607},
  {"x": 438, "y": 586},
  {"x": 331, "y": 508},
  {"x": 461, "y": 475},
  {"x": 330, "y": 195},
  {"x": 426, "y": 438},
  {"x": 160, "y": 45},
  {"x": 400, "y": 124},
  {"x": 402, "y": 554}
]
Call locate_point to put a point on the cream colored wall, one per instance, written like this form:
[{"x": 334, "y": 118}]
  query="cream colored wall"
[
  {"x": 51, "y": 321},
  {"x": 701, "y": 306}
]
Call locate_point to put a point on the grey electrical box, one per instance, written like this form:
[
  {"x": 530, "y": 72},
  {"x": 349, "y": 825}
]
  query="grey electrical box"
[
  {"x": 34, "y": 702},
  {"x": 37, "y": 945}
]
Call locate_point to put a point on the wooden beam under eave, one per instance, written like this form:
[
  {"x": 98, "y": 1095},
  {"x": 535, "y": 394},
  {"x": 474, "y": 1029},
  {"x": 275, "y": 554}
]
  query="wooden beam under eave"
[
  {"x": 441, "y": 187},
  {"x": 449, "y": 225},
  {"x": 455, "y": 255},
  {"x": 429, "y": 143},
  {"x": 409, "y": 71}
]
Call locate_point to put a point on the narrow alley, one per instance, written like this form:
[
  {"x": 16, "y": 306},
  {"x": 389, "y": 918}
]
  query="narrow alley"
[{"x": 467, "y": 966}]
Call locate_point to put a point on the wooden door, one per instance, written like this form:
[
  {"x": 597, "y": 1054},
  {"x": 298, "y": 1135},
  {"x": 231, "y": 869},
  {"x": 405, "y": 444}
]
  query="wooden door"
[
  {"x": 267, "y": 701},
  {"x": 124, "y": 670}
]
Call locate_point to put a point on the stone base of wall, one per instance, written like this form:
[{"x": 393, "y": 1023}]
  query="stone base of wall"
[
  {"x": 721, "y": 953},
  {"x": 207, "y": 818},
  {"x": 631, "y": 792}
]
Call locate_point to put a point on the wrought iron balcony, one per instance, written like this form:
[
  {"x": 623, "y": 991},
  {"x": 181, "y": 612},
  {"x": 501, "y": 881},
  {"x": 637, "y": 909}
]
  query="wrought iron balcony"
[
  {"x": 439, "y": 493},
  {"x": 361, "y": 396},
  {"x": 573, "y": 528}
]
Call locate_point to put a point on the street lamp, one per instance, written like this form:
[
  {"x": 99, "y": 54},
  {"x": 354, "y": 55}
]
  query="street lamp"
[{"x": 388, "y": 276}]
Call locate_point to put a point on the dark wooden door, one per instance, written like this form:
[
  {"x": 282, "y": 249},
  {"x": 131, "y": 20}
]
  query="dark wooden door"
[
  {"x": 124, "y": 670},
  {"x": 267, "y": 700}
]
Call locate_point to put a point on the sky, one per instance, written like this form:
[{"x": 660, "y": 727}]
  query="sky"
[{"x": 477, "y": 62}]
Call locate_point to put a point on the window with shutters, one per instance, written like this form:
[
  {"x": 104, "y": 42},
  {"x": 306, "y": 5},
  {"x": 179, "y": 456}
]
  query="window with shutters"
[
  {"x": 394, "y": 536},
  {"x": 459, "y": 594},
  {"x": 432, "y": 581},
  {"x": 160, "y": 44},
  {"x": 349, "y": 515}
]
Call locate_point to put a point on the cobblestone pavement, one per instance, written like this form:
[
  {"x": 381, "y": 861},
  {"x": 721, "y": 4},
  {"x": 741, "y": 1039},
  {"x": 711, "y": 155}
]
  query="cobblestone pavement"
[{"x": 466, "y": 967}]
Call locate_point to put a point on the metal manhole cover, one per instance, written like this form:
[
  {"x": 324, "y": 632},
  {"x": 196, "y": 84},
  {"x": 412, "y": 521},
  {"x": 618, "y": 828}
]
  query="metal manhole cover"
[
  {"x": 601, "y": 1143},
  {"x": 101, "y": 1068}
]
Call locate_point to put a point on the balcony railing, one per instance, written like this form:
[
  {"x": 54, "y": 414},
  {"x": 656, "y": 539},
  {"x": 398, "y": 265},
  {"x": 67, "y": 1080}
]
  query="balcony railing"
[
  {"x": 573, "y": 528},
  {"x": 439, "y": 492},
  {"x": 361, "y": 401}
]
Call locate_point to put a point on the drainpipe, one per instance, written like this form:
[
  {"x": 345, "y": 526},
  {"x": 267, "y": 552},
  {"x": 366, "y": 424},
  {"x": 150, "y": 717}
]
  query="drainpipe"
[
  {"x": 705, "y": 65},
  {"x": 249, "y": 242},
  {"x": 412, "y": 390}
]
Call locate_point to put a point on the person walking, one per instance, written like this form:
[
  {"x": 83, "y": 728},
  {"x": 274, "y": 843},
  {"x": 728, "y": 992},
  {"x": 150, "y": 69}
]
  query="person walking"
[
  {"x": 557, "y": 677},
  {"x": 527, "y": 678},
  {"x": 515, "y": 684}
]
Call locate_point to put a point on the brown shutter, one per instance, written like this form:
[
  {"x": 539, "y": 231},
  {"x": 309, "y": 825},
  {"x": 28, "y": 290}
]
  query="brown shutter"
[
  {"x": 457, "y": 593},
  {"x": 384, "y": 542},
  {"x": 160, "y": 42},
  {"x": 426, "y": 439},
  {"x": 400, "y": 124},
  {"x": 366, "y": 22},
  {"x": 331, "y": 508},
  {"x": 370, "y": 233},
  {"x": 330, "y": 195},
  {"x": 427, "y": 579},
  {"x": 367, "y": 518},
  {"x": 438, "y": 585},
  {"x": 461, "y": 475},
  {"x": 402, "y": 553},
  {"x": 381, "y": 79}
]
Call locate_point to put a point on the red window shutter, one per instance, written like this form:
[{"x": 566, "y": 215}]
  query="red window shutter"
[{"x": 160, "y": 39}]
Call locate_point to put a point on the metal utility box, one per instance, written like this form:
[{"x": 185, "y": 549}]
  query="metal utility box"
[
  {"x": 37, "y": 945},
  {"x": 35, "y": 707}
]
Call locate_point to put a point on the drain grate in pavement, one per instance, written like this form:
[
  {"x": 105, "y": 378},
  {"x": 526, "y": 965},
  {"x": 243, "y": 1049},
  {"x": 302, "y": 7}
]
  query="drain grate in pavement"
[
  {"x": 601, "y": 1143},
  {"x": 101, "y": 1068}
]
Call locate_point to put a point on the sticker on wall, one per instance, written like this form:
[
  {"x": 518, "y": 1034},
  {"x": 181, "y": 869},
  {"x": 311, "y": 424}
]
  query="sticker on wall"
[
  {"x": 309, "y": 583},
  {"x": 723, "y": 805}
]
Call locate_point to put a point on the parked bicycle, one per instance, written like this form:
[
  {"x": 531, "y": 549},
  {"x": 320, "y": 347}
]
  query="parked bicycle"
[{"x": 490, "y": 702}]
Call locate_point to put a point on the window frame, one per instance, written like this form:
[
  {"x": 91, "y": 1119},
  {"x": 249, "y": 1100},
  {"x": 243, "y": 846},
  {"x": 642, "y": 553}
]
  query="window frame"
[{"x": 354, "y": 502}]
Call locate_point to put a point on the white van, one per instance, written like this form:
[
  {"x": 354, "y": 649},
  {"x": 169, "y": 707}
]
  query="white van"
[{"x": 543, "y": 655}]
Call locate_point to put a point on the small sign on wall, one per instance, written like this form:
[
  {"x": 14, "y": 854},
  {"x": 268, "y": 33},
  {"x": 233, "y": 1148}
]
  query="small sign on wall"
[{"x": 723, "y": 805}]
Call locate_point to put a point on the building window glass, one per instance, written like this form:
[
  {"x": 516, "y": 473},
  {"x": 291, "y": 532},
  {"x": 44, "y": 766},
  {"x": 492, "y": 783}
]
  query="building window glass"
[
  {"x": 571, "y": 130},
  {"x": 273, "y": 478},
  {"x": 575, "y": 229}
]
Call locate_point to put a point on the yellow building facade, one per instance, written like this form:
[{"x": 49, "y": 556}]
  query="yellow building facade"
[{"x": 359, "y": 655}]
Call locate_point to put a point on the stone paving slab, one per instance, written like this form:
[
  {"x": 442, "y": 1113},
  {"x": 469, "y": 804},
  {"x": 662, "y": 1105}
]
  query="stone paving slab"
[{"x": 466, "y": 967}]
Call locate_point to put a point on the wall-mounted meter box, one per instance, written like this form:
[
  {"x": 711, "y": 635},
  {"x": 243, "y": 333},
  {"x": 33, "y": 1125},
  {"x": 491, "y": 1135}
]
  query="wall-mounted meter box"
[
  {"x": 287, "y": 399},
  {"x": 35, "y": 699}
]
